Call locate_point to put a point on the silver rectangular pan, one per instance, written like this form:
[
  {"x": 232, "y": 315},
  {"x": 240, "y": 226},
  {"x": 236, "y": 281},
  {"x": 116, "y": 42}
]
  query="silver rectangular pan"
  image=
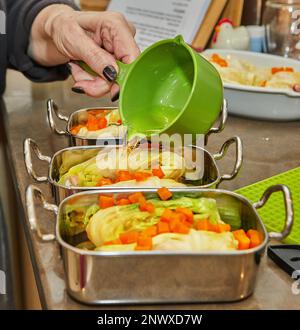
[
  {"x": 210, "y": 176},
  {"x": 76, "y": 118},
  {"x": 73, "y": 119},
  {"x": 157, "y": 276}
]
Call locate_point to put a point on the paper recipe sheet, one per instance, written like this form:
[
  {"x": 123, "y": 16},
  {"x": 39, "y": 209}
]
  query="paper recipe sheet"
[{"x": 162, "y": 19}]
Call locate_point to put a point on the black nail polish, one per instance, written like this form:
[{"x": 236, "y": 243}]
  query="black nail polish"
[
  {"x": 69, "y": 68},
  {"x": 78, "y": 90},
  {"x": 110, "y": 73},
  {"x": 115, "y": 97}
]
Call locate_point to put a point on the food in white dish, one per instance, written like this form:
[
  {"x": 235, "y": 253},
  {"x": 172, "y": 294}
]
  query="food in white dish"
[{"x": 241, "y": 72}]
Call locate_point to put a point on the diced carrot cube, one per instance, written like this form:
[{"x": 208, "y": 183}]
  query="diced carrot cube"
[
  {"x": 222, "y": 228},
  {"x": 187, "y": 213},
  {"x": 129, "y": 237},
  {"x": 173, "y": 224},
  {"x": 202, "y": 225},
  {"x": 164, "y": 193},
  {"x": 167, "y": 216},
  {"x": 141, "y": 176},
  {"x": 92, "y": 124},
  {"x": 158, "y": 172},
  {"x": 106, "y": 201},
  {"x": 123, "y": 201},
  {"x": 188, "y": 224},
  {"x": 123, "y": 175},
  {"x": 102, "y": 122},
  {"x": 177, "y": 224},
  {"x": 243, "y": 240},
  {"x": 178, "y": 227},
  {"x": 255, "y": 238},
  {"x": 146, "y": 206},
  {"x": 150, "y": 231},
  {"x": 162, "y": 228},
  {"x": 144, "y": 243},
  {"x": 213, "y": 227},
  {"x": 136, "y": 197}
]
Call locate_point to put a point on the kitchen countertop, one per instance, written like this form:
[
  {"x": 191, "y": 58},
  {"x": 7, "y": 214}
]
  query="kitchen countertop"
[{"x": 269, "y": 149}]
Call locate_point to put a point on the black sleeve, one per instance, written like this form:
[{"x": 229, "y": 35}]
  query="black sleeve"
[{"x": 20, "y": 16}]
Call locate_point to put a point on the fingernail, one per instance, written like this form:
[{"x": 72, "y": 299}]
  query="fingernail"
[
  {"x": 78, "y": 90},
  {"x": 110, "y": 73},
  {"x": 69, "y": 67},
  {"x": 115, "y": 97}
]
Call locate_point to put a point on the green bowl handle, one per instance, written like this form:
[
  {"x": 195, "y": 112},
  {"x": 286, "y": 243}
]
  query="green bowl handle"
[{"x": 123, "y": 70}]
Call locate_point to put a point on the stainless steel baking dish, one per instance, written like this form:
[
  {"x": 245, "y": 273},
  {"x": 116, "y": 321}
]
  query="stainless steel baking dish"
[
  {"x": 158, "y": 276},
  {"x": 73, "y": 119},
  {"x": 210, "y": 176}
]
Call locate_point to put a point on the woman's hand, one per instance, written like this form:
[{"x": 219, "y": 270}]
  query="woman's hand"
[{"x": 60, "y": 34}]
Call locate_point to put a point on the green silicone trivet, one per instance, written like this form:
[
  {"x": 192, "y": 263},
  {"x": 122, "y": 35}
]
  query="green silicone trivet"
[{"x": 273, "y": 213}]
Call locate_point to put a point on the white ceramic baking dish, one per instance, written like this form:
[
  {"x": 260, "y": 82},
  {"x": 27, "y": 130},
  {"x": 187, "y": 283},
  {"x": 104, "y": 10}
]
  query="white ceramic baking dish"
[{"x": 260, "y": 102}]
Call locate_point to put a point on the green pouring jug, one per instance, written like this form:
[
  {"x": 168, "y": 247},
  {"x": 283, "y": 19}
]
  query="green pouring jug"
[{"x": 170, "y": 89}]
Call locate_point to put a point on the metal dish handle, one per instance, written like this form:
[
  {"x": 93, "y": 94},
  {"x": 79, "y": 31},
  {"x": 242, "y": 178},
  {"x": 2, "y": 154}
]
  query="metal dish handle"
[
  {"x": 32, "y": 193},
  {"x": 289, "y": 210},
  {"x": 52, "y": 109},
  {"x": 29, "y": 145},
  {"x": 222, "y": 121},
  {"x": 239, "y": 157}
]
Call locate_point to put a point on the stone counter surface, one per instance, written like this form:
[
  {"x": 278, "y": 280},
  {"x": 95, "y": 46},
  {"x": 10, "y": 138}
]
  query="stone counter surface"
[{"x": 269, "y": 149}]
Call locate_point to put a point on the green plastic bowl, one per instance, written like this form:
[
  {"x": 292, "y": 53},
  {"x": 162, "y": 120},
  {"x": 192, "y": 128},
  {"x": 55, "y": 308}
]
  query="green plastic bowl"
[{"x": 170, "y": 89}]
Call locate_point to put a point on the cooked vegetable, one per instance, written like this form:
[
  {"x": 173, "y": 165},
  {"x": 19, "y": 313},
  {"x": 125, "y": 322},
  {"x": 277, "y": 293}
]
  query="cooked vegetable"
[
  {"x": 282, "y": 69},
  {"x": 203, "y": 208},
  {"x": 189, "y": 215},
  {"x": 129, "y": 237},
  {"x": 123, "y": 201},
  {"x": 106, "y": 201},
  {"x": 147, "y": 206},
  {"x": 241, "y": 237},
  {"x": 136, "y": 197},
  {"x": 107, "y": 224},
  {"x": 98, "y": 123},
  {"x": 72, "y": 158},
  {"x": 134, "y": 222},
  {"x": 104, "y": 168},
  {"x": 162, "y": 228},
  {"x": 237, "y": 71},
  {"x": 195, "y": 241},
  {"x": 76, "y": 218},
  {"x": 144, "y": 243},
  {"x": 150, "y": 231},
  {"x": 255, "y": 238},
  {"x": 164, "y": 193}
]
